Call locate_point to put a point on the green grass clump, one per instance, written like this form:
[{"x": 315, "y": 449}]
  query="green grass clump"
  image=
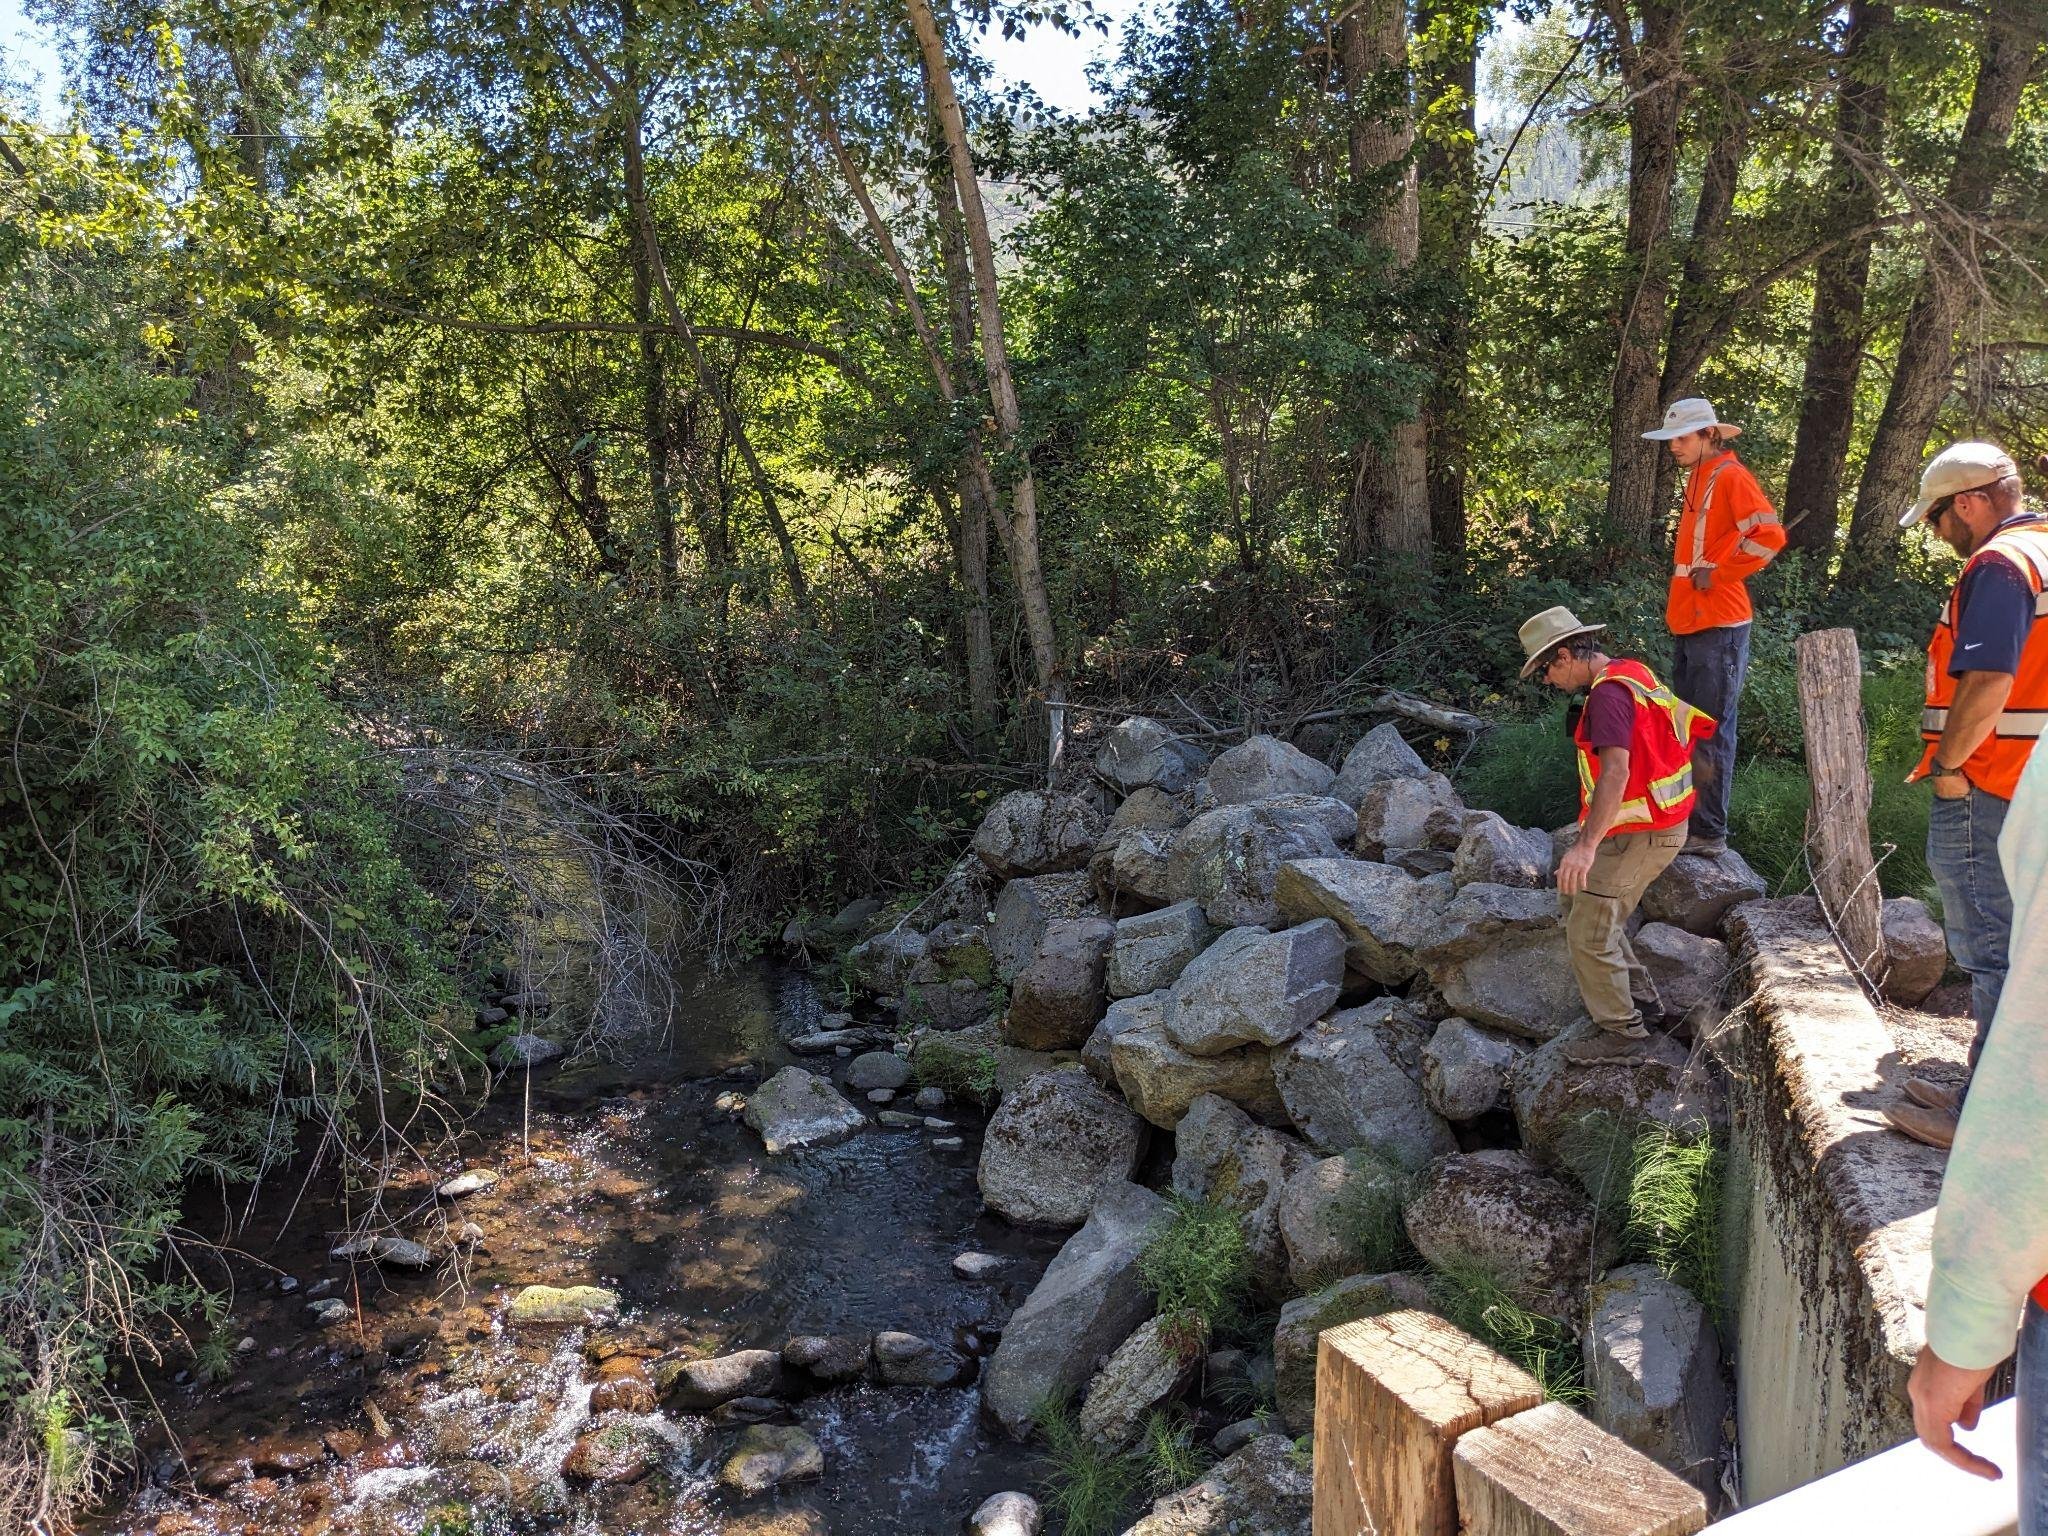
[
  {"x": 1661, "y": 1190},
  {"x": 1172, "y": 1459},
  {"x": 1470, "y": 1295},
  {"x": 1088, "y": 1488},
  {"x": 1524, "y": 769},
  {"x": 1198, "y": 1265},
  {"x": 1369, "y": 1214},
  {"x": 962, "y": 1071}
]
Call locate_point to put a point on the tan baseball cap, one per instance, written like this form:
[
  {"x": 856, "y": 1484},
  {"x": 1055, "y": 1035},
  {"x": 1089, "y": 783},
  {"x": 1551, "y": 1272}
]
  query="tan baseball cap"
[{"x": 1959, "y": 467}]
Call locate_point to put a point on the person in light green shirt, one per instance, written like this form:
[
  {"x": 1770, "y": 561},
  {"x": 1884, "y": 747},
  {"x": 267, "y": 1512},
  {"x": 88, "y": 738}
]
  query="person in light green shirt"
[{"x": 1991, "y": 1228}]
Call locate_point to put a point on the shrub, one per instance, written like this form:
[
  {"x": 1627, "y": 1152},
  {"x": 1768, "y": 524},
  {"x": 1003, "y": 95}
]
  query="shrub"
[
  {"x": 1661, "y": 1190},
  {"x": 1197, "y": 1264}
]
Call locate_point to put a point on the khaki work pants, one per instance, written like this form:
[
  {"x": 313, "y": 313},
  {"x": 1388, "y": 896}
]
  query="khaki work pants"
[{"x": 1611, "y": 979}]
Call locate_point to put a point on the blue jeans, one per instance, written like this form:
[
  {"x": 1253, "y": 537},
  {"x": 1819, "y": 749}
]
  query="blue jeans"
[
  {"x": 1707, "y": 670},
  {"x": 1976, "y": 906},
  {"x": 2033, "y": 1422}
]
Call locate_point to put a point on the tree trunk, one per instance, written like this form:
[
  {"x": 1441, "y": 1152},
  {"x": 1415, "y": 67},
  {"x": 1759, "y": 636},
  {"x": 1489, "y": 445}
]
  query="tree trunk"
[
  {"x": 1651, "y": 68},
  {"x": 654, "y": 411},
  {"x": 1389, "y": 503},
  {"x": 1835, "y": 340},
  {"x": 1949, "y": 289},
  {"x": 1026, "y": 569},
  {"x": 1450, "y": 226}
]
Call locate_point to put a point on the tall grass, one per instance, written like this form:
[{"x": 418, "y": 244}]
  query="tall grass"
[
  {"x": 1470, "y": 1294},
  {"x": 1198, "y": 1266},
  {"x": 1660, "y": 1190},
  {"x": 1088, "y": 1488}
]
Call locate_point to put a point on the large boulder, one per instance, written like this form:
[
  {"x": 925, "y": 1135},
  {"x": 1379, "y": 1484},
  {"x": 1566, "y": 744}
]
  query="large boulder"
[
  {"x": 1688, "y": 968},
  {"x": 1521, "y": 983},
  {"x": 1036, "y": 832},
  {"x": 1160, "y": 1079},
  {"x": 1153, "y": 948},
  {"x": 1304, "y": 1319},
  {"x": 1382, "y": 753},
  {"x": 1252, "y": 986},
  {"x": 1133, "y": 867},
  {"x": 1915, "y": 951},
  {"x": 1228, "y": 858},
  {"x": 1222, "y": 1155},
  {"x": 883, "y": 964},
  {"x": 1533, "y": 1231},
  {"x": 1153, "y": 809},
  {"x": 1024, "y": 907},
  {"x": 1695, "y": 893},
  {"x": 1263, "y": 1489},
  {"x": 796, "y": 1109},
  {"x": 1465, "y": 1069},
  {"x": 1088, "y": 1302},
  {"x": 1493, "y": 852},
  {"x": 1053, "y": 1146},
  {"x": 1552, "y": 1094},
  {"x": 1341, "y": 1216},
  {"x": 1140, "y": 753},
  {"x": 1265, "y": 767},
  {"x": 1344, "y": 1086},
  {"x": 1653, "y": 1366},
  {"x": 1057, "y": 999},
  {"x": 1409, "y": 813},
  {"x": 1385, "y": 913},
  {"x": 1476, "y": 919},
  {"x": 1150, "y": 1367}
]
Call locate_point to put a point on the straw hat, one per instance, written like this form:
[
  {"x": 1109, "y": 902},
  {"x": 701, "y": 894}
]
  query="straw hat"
[
  {"x": 1694, "y": 415},
  {"x": 1543, "y": 634}
]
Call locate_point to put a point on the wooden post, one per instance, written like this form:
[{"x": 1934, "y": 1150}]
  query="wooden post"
[
  {"x": 1549, "y": 1472},
  {"x": 1393, "y": 1394},
  {"x": 1838, "y": 826}
]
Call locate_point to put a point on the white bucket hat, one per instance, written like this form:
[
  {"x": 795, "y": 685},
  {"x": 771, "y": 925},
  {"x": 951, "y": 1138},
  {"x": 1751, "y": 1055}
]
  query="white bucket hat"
[
  {"x": 1695, "y": 415},
  {"x": 1957, "y": 468},
  {"x": 1543, "y": 634}
]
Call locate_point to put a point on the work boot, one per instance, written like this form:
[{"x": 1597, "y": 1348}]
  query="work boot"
[
  {"x": 1933, "y": 1127},
  {"x": 1947, "y": 1098},
  {"x": 1609, "y": 1045},
  {"x": 1705, "y": 847}
]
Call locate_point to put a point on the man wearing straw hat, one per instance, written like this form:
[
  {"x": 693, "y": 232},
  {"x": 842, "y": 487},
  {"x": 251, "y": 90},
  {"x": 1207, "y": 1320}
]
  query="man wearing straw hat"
[
  {"x": 1727, "y": 532},
  {"x": 1634, "y": 739}
]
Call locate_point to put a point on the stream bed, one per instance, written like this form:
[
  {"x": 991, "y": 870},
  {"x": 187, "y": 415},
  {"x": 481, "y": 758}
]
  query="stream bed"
[{"x": 431, "y": 1415}]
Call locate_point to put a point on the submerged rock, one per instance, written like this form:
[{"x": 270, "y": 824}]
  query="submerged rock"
[
  {"x": 576, "y": 1305},
  {"x": 615, "y": 1450},
  {"x": 472, "y": 1182},
  {"x": 795, "y": 1109},
  {"x": 768, "y": 1455},
  {"x": 524, "y": 1051},
  {"x": 1054, "y": 1146},
  {"x": 395, "y": 1252}
]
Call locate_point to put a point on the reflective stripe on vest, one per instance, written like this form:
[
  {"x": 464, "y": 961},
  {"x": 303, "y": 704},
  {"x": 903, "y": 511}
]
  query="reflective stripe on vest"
[{"x": 2016, "y": 723}]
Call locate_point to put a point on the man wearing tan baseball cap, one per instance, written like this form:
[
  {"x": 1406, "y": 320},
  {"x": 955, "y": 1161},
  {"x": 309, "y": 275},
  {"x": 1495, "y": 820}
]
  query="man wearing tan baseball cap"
[
  {"x": 1635, "y": 742},
  {"x": 1987, "y": 703}
]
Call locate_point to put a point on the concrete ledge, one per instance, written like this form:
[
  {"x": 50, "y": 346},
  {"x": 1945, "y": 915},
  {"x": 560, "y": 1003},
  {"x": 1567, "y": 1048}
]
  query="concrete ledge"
[{"x": 1829, "y": 1212}]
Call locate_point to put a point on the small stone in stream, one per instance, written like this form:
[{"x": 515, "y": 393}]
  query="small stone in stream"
[
  {"x": 623, "y": 1394},
  {"x": 878, "y": 1069},
  {"x": 931, "y": 1098},
  {"x": 746, "y": 1410},
  {"x": 327, "y": 1312},
  {"x": 796, "y": 1109},
  {"x": 905, "y": 1360},
  {"x": 766, "y": 1456},
  {"x": 614, "y": 1453},
  {"x": 900, "y": 1119},
  {"x": 321, "y": 1287},
  {"x": 881, "y": 1095},
  {"x": 820, "y": 1041},
  {"x": 397, "y": 1252},
  {"x": 246, "y": 1344},
  {"x": 947, "y": 1144},
  {"x": 469, "y": 1234},
  {"x": 286, "y": 1284},
  {"x": 1006, "y": 1514},
  {"x": 470, "y": 1183},
  {"x": 731, "y": 1103},
  {"x": 842, "y": 1050},
  {"x": 695, "y": 1385},
  {"x": 524, "y": 1051},
  {"x": 829, "y": 1357},
  {"x": 976, "y": 1266},
  {"x": 934, "y": 1123},
  {"x": 576, "y": 1304}
]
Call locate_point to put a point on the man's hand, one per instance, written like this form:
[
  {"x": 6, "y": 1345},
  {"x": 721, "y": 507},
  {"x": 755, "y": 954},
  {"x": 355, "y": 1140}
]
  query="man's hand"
[
  {"x": 1950, "y": 786},
  {"x": 1575, "y": 866},
  {"x": 1945, "y": 1396},
  {"x": 1703, "y": 574}
]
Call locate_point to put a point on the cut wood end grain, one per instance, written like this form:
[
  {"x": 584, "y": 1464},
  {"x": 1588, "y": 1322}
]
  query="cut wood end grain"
[{"x": 1549, "y": 1472}]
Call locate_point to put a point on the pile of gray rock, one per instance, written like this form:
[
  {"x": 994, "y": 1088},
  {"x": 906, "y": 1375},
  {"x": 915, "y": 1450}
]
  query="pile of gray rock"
[{"x": 1331, "y": 988}]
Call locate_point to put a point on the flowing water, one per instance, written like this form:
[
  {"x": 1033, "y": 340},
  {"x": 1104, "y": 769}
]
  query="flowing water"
[{"x": 432, "y": 1415}]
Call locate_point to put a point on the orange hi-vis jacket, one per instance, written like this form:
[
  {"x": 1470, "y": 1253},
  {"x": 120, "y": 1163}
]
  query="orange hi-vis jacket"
[
  {"x": 1659, "y": 792},
  {"x": 1995, "y": 767},
  {"x": 1727, "y": 522}
]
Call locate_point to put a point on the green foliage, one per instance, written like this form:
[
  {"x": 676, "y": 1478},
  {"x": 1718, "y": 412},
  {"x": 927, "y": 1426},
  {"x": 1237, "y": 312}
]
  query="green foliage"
[
  {"x": 1369, "y": 1215},
  {"x": 1660, "y": 1190},
  {"x": 1471, "y": 1296},
  {"x": 449, "y": 1520},
  {"x": 1087, "y": 1488},
  {"x": 1197, "y": 1264},
  {"x": 1172, "y": 1457},
  {"x": 963, "y": 1071}
]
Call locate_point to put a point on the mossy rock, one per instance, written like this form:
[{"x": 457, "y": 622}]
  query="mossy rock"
[{"x": 578, "y": 1305}]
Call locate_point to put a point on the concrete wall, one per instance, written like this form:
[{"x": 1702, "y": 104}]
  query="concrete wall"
[{"x": 1829, "y": 1212}]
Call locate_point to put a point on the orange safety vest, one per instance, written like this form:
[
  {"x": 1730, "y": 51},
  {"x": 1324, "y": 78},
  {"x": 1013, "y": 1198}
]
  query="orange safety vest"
[
  {"x": 1659, "y": 792},
  {"x": 1995, "y": 767},
  {"x": 1725, "y": 519}
]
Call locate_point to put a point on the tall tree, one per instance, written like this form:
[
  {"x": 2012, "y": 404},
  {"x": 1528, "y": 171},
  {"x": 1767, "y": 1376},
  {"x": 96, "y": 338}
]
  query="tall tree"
[
  {"x": 1951, "y": 284},
  {"x": 1837, "y": 333}
]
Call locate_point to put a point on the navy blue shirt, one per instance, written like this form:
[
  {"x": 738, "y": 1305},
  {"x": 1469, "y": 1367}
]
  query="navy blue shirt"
[{"x": 1994, "y": 612}]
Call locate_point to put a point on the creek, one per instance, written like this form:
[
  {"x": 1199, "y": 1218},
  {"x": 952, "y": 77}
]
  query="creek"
[{"x": 427, "y": 1412}]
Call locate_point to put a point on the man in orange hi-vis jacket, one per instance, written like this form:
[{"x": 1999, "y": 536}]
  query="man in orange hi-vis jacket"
[{"x": 1727, "y": 531}]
